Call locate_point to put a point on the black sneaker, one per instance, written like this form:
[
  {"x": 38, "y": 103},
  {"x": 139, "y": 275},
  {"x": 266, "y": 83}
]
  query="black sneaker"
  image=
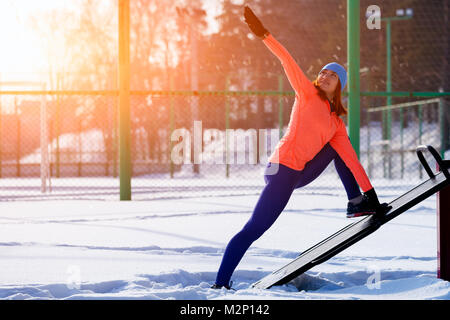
[
  {"x": 368, "y": 205},
  {"x": 364, "y": 208}
]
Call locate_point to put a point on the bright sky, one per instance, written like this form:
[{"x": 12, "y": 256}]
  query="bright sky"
[
  {"x": 23, "y": 54},
  {"x": 21, "y": 50}
]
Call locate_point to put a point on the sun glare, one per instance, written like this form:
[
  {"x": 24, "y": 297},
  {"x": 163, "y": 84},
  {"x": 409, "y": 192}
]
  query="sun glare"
[
  {"x": 22, "y": 51},
  {"x": 34, "y": 41}
]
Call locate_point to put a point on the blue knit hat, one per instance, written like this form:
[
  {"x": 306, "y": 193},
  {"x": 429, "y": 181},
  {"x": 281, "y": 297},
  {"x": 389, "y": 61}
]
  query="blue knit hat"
[{"x": 342, "y": 74}]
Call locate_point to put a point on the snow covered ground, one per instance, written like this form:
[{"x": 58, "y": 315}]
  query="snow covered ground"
[{"x": 171, "y": 248}]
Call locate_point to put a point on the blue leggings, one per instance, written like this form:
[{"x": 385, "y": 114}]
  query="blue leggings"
[{"x": 279, "y": 186}]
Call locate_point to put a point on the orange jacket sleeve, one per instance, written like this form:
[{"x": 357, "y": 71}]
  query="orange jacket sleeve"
[
  {"x": 341, "y": 143},
  {"x": 297, "y": 79}
]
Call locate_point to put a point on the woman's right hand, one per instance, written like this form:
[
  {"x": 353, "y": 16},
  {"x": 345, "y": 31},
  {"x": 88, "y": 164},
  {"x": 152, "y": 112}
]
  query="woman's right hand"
[{"x": 254, "y": 23}]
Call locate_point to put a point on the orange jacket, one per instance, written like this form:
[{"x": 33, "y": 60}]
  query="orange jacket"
[{"x": 311, "y": 124}]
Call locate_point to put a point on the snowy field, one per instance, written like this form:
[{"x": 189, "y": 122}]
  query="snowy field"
[{"x": 171, "y": 248}]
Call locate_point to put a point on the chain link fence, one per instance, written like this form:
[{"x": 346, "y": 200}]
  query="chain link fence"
[
  {"x": 392, "y": 134},
  {"x": 185, "y": 143}
]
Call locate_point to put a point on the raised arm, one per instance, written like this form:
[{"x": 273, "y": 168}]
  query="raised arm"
[{"x": 296, "y": 77}]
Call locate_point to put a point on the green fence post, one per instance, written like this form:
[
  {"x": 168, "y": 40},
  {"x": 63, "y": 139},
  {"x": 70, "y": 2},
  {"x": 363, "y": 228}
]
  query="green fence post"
[
  {"x": 353, "y": 58},
  {"x": 18, "y": 136},
  {"x": 80, "y": 147},
  {"x": 420, "y": 134},
  {"x": 227, "y": 125},
  {"x": 402, "y": 158},
  {"x": 57, "y": 122},
  {"x": 442, "y": 130},
  {"x": 124, "y": 100},
  {"x": 115, "y": 136},
  {"x": 388, "y": 113},
  {"x": 171, "y": 120},
  {"x": 388, "y": 77},
  {"x": 280, "y": 104}
]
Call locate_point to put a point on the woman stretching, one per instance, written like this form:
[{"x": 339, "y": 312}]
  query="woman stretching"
[{"x": 315, "y": 136}]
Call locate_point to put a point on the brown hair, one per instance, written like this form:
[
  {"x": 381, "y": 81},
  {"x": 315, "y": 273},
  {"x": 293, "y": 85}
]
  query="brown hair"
[{"x": 337, "y": 101}]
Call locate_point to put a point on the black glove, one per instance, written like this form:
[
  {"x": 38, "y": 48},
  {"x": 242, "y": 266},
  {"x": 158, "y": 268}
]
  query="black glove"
[{"x": 254, "y": 24}]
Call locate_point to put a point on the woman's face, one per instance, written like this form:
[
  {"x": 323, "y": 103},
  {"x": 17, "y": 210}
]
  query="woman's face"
[{"x": 328, "y": 81}]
